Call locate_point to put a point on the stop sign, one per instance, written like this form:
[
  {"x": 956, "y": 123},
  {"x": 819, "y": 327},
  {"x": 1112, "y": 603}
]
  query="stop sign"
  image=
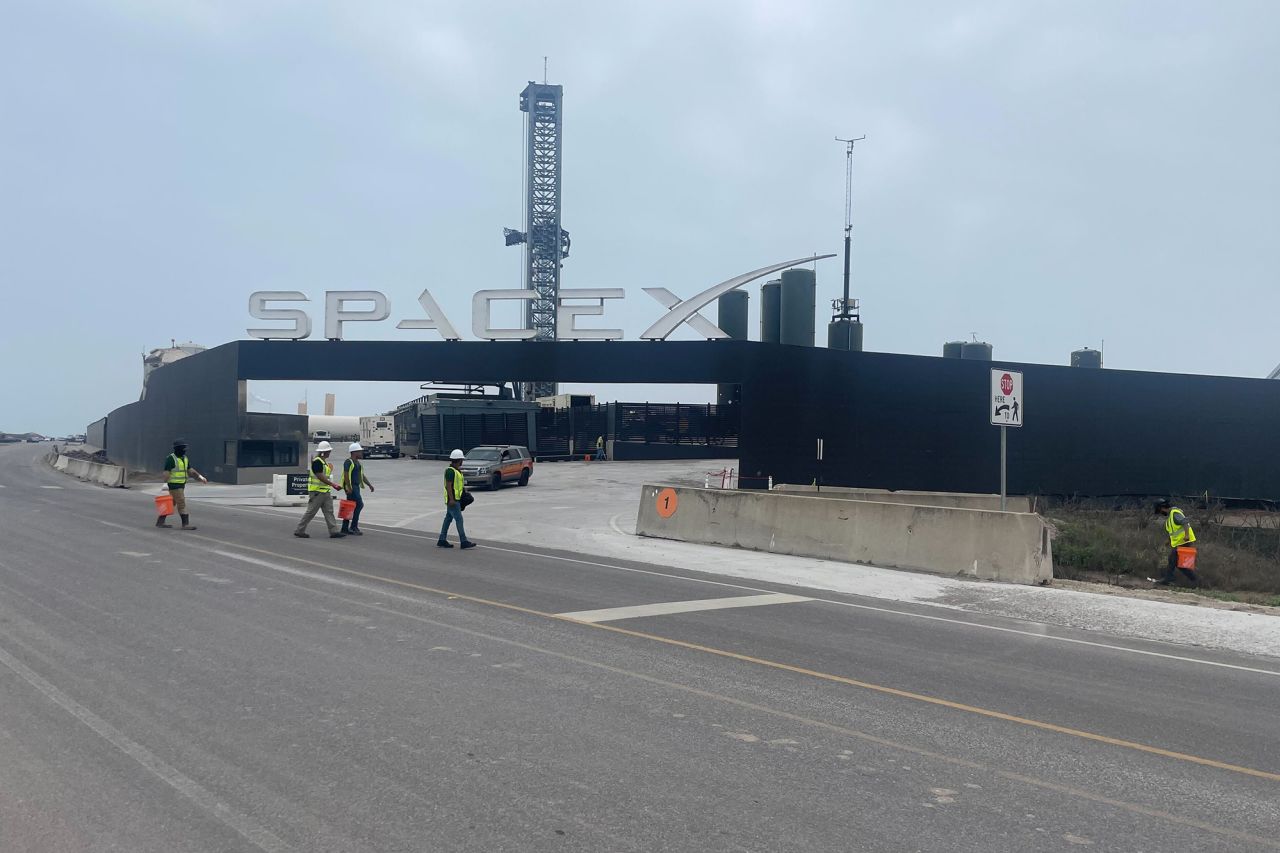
[{"x": 1006, "y": 384}]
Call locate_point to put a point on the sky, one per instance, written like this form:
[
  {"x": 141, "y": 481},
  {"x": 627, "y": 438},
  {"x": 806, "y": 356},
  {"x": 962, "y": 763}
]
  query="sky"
[{"x": 1044, "y": 175}]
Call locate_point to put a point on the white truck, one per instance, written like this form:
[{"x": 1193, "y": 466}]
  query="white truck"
[{"x": 378, "y": 437}]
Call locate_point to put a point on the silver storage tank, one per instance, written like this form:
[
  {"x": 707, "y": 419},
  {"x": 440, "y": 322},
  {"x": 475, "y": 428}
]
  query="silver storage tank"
[
  {"x": 731, "y": 314},
  {"x": 1086, "y": 358},
  {"x": 976, "y": 351},
  {"x": 771, "y": 312},
  {"x": 799, "y": 307},
  {"x": 845, "y": 334},
  {"x": 731, "y": 317},
  {"x": 953, "y": 349}
]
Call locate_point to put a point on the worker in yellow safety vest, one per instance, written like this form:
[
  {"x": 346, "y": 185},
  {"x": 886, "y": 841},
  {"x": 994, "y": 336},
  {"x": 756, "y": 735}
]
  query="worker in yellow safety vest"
[
  {"x": 1181, "y": 535},
  {"x": 454, "y": 488},
  {"x": 178, "y": 470},
  {"x": 353, "y": 480},
  {"x": 319, "y": 496}
]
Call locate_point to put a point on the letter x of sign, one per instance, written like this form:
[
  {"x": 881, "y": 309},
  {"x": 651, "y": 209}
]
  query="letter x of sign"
[{"x": 686, "y": 311}]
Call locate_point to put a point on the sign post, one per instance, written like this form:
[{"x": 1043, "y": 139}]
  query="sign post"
[{"x": 1006, "y": 411}]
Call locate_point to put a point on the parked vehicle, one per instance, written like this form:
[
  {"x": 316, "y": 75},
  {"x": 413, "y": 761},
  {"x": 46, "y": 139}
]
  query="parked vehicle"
[
  {"x": 378, "y": 437},
  {"x": 320, "y": 435},
  {"x": 494, "y": 464}
]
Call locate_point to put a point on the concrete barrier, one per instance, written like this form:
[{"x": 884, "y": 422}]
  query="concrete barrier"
[
  {"x": 960, "y": 500},
  {"x": 91, "y": 472},
  {"x": 1001, "y": 546},
  {"x": 278, "y": 492}
]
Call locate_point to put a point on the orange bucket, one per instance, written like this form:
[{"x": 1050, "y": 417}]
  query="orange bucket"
[
  {"x": 346, "y": 509},
  {"x": 1187, "y": 557},
  {"x": 164, "y": 504}
]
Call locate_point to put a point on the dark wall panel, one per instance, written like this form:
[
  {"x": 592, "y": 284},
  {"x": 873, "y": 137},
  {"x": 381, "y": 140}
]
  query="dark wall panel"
[
  {"x": 909, "y": 422},
  {"x": 654, "y": 452},
  {"x": 195, "y": 399},
  {"x": 889, "y": 421}
]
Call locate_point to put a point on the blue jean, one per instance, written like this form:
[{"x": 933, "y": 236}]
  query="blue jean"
[
  {"x": 453, "y": 514},
  {"x": 354, "y": 521}
]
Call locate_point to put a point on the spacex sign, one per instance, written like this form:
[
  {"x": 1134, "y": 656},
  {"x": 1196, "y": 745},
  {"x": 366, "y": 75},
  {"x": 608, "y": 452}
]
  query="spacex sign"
[{"x": 372, "y": 306}]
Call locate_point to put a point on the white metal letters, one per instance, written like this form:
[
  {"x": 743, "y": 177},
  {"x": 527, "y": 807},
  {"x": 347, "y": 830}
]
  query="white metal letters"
[
  {"x": 258, "y": 310},
  {"x": 566, "y": 315},
  {"x": 480, "y": 304},
  {"x": 435, "y": 319}
]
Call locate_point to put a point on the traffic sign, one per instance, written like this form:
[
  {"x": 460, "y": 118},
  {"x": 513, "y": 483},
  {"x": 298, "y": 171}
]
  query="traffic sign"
[{"x": 1006, "y": 398}]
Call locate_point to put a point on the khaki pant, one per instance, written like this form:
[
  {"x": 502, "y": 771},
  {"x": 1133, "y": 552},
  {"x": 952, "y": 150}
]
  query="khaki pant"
[
  {"x": 319, "y": 502},
  {"x": 179, "y": 500}
]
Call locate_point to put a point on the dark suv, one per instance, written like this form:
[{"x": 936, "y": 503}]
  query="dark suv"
[{"x": 494, "y": 464}]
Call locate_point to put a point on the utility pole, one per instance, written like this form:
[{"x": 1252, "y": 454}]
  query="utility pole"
[{"x": 845, "y": 310}]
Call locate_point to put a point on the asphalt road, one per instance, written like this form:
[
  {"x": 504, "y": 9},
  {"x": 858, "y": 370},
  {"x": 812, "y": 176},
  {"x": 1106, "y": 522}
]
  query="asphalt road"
[{"x": 237, "y": 689}]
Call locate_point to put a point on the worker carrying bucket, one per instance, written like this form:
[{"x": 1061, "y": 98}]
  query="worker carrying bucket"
[
  {"x": 1182, "y": 545},
  {"x": 179, "y": 471}
]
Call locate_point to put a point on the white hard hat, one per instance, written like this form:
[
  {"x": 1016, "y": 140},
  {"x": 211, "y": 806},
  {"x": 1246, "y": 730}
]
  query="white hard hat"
[
  {"x": 355, "y": 445},
  {"x": 456, "y": 455},
  {"x": 323, "y": 446}
]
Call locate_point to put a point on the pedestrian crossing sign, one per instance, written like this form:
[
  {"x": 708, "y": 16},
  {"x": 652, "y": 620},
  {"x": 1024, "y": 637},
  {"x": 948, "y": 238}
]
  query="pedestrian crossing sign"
[{"x": 1006, "y": 398}]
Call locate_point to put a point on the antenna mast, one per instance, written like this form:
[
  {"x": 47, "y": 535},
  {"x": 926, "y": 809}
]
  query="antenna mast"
[{"x": 844, "y": 309}]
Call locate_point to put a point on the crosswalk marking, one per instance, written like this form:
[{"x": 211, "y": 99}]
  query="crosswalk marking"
[{"x": 668, "y": 607}]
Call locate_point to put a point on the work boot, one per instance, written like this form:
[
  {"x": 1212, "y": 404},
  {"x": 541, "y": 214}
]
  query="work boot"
[
  {"x": 444, "y": 543},
  {"x": 338, "y": 535},
  {"x": 301, "y": 535},
  {"x": 345, "y": 527},
  {"x": 468, "y": 544},
  {"x": 186, "y": 523},
  {"x": 160, "y": 522},
  {"x": 355, "y": 531}
]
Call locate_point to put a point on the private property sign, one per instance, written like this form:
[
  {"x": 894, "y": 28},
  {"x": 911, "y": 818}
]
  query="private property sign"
[{"x": 1006, "y": 397}]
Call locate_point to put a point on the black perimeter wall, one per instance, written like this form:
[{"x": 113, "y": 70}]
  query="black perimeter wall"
[{"x": 888, "y": 421}]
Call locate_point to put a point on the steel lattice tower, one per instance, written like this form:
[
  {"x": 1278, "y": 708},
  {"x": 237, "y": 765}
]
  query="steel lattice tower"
[{"x": 546, "y": 243}]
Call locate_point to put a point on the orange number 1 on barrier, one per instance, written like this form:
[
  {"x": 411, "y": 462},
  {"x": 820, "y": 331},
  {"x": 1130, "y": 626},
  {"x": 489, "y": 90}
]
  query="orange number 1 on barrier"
[{"x": 667, "y": 502}]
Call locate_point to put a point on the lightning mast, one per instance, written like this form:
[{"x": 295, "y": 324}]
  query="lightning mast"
[
  {"x": 546, "y": 242},
  {"x": 845, "y": 329}
]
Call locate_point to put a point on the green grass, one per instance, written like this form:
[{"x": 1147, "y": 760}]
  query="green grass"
[{"x": 1126, "y": 546}]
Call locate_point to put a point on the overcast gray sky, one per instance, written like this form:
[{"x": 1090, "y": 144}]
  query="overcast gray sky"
[{"x": 1045, "y": 174}]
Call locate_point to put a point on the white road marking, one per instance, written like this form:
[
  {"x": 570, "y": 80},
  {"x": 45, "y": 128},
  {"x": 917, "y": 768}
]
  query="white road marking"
[
  {"x": 247, "y": 827},
  {"x": 51, "y": 487},
  {"x": 668, "y": 607},
  {"x": 374, "y": 589},
  {"x": 1038, "y": 635},
  {"x": 411, "y": 519},
  {"x": 134, "y": 554},
  {"x": 1033, "y": 634}
]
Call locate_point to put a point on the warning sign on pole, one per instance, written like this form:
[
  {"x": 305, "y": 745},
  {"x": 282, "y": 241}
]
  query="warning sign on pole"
[{"x": 1006, "y": 398}]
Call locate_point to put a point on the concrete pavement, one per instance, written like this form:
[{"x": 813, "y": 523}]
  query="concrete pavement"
[
  {"x": 239, "y": 689},
  {"x": 590, "y": 508}
]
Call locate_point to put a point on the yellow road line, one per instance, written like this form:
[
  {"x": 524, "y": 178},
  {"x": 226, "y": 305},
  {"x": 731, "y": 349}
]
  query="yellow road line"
[
  {"x": 955, "y": 761},
  {"x": 786, "y": 667}
]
